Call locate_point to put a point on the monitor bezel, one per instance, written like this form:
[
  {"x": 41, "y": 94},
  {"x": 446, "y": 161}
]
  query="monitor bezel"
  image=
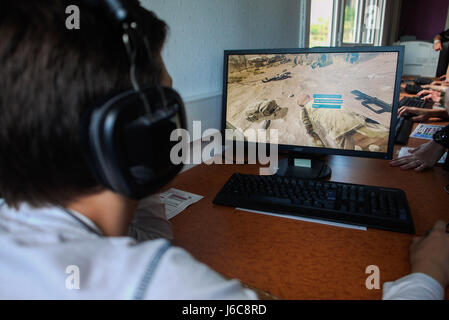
[{"x": 317, "y": 150}]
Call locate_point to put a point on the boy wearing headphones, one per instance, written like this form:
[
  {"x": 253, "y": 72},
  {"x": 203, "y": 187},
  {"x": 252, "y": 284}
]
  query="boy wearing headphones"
[{"x": 64, "y": 235}]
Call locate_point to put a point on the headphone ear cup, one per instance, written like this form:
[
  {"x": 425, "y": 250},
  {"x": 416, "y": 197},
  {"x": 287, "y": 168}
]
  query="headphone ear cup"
[
  {"x": 148, "y": 148},
  {"x": 128, "y": 150},
  {"x": 147, "y": 144}
]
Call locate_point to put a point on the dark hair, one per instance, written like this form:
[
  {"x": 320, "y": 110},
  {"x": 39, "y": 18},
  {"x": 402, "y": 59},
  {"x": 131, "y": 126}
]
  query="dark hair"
[{"x": 49, "y": 76}]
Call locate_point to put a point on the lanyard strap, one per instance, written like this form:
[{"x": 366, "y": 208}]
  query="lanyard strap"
[{"x": 149, "y": 272}]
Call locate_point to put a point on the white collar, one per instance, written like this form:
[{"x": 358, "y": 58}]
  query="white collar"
[
  {"x": 50, "y": 217},
  {"x": 85, "y": 221}
]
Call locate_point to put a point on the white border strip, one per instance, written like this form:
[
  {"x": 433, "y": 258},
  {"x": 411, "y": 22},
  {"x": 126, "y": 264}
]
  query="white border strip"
[{"x": 334, "y": 224}]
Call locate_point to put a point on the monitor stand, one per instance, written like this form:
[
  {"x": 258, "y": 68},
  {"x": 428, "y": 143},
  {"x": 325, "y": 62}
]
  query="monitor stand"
[{"x": 303, "y": 166}]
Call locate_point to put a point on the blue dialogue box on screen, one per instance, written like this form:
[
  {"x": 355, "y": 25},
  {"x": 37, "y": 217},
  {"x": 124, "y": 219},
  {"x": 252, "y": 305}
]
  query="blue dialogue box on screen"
[{"x": 327, "y": 101}]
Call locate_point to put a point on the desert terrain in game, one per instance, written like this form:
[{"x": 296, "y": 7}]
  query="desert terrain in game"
[{"x": 335, "y": 100}]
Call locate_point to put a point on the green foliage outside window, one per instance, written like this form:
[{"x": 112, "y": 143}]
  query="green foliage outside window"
[
  {"x": 349, "y": 25},
  {"x": 319, "y": 33}
]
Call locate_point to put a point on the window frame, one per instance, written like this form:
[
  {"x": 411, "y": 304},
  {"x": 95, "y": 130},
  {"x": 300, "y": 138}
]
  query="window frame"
[
  {"x": 359, "y": 24},
  {"x": 337, "y": 29}
]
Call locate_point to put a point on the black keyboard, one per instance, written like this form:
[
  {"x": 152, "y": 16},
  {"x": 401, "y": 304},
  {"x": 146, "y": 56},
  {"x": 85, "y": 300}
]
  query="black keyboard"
[
  {"x": 413, "y": 88},
  {"x": 423, "y": 81},
  {"x": 376, "y": 207},
  {"x": 415, "y": 102}
]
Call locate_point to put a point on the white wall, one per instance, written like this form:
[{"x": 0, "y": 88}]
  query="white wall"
[{"x": 199, "y": 32}]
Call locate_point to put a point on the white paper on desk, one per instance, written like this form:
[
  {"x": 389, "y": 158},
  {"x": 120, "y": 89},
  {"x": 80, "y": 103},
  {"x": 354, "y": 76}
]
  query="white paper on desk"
[
  {"x": 329, "y": 223},
  {"x": 425, "y": 131},
  {"x": 176, "y": 201},
  {"x": 406, "y": 151}
]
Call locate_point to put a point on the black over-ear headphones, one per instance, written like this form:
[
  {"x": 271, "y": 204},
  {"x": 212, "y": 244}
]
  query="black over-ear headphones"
[{"x": 127, "y": 136}]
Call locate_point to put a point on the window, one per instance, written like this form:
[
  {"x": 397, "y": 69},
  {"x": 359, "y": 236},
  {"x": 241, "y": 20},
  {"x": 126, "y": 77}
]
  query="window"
[
  {"x": 350, "y": 24},
  {"x": 345, "y": 22},
  {"x": 362, "y": 21},
  {"x": 321, "y": 23}
]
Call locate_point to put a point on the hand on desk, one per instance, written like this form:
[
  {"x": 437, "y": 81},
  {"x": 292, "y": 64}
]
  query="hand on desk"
[
  {"x": 432, "y": 95},
  {"x": 438, "y": 88},
  {"x": 430, "y": 254},
  {"x": 421, "y": 158},
  {"x": 420, "y": 115},
  {"x": 444, "y": 83}
]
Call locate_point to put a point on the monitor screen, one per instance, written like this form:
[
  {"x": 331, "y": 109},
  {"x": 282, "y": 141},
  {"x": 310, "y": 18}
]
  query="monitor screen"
[{"x": 328, "y": 100}]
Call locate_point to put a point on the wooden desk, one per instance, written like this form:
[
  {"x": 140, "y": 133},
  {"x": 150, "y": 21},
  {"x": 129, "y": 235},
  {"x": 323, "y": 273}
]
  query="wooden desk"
[{"x": 300, "y": 260}]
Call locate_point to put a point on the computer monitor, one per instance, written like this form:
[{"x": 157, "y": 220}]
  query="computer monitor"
[{"x": 325, "y": 101}]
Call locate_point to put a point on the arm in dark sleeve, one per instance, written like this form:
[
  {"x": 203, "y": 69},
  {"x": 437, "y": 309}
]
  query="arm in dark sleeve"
[
  {"x": 444, "y": 35},
  {"x": 446, "y": 128},
  {"x": 442, "y": 137}
]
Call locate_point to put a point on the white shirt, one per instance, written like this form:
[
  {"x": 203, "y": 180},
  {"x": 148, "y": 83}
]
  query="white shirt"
[
  {"x": 415, "y": 286},
  {"x": 49, "y": 253},
  {"x": 42, "y": 251}
]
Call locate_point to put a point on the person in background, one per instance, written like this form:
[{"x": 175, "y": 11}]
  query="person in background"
[
  {"x": 55, "y": 215},
  {"x": 438, "y": 46},
  {"x": 439, "y": 39}
]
